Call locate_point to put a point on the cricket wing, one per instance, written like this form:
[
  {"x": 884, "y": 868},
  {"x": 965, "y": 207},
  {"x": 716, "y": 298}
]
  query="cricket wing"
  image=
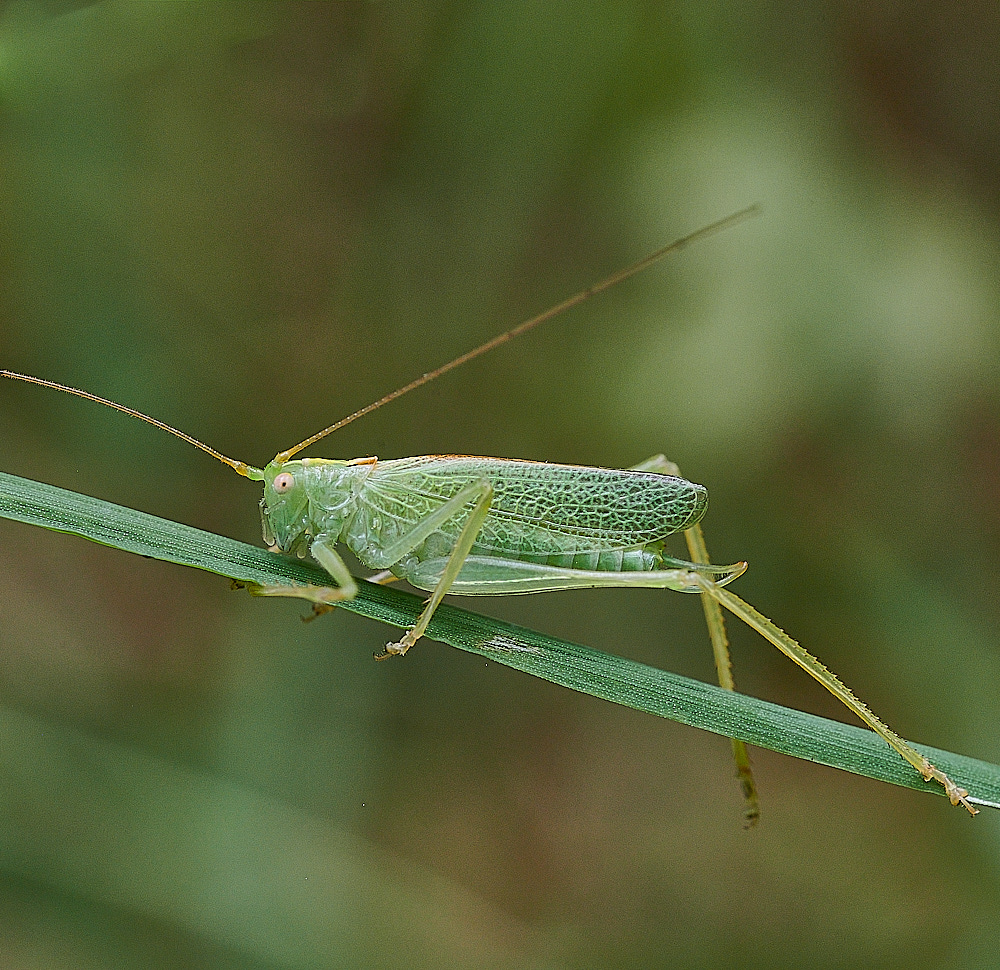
[{"x": 539, "y": 506}]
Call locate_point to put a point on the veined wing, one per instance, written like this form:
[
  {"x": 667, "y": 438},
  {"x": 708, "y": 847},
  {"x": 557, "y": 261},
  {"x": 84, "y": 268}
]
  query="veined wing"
[{"x": 537, "y": 504}]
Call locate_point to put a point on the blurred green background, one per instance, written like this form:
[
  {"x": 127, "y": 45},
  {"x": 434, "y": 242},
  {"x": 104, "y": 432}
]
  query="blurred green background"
[{"x": 249, "y": 220}]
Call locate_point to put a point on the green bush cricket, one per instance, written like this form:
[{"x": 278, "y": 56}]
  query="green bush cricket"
[{"x": 490, "y": 526}]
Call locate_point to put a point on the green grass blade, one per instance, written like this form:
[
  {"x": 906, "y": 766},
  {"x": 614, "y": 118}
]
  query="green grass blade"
[{"x": 611, "y": 677}]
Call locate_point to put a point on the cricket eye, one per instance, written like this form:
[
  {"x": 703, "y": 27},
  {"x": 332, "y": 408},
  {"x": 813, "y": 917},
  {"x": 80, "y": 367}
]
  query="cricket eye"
[{"x": 283, "y": 483}]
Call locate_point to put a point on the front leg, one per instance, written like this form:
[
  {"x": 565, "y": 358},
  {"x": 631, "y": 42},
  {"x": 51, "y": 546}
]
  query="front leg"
[{"x": 324, "y": 551}]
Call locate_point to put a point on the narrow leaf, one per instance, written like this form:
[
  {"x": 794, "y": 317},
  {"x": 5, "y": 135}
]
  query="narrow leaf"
[{"x": 607, "y": 676}]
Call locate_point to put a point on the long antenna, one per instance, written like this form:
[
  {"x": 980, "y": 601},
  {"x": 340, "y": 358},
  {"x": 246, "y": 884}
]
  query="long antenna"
[
  {"x": 247, "y": 471},
  {"x": 255, "y": 474},
  {"x": 502, "y": 338}
]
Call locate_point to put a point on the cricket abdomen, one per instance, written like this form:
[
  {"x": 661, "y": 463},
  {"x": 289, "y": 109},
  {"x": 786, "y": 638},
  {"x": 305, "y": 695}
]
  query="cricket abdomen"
[{"x": 610, "y": 560}]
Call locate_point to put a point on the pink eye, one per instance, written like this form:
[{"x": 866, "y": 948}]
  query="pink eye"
[{"x": 283, "y": 482}]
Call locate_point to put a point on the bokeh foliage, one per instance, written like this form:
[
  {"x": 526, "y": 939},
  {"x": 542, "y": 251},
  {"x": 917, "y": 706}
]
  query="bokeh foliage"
[{"x": 250, "y": 219}]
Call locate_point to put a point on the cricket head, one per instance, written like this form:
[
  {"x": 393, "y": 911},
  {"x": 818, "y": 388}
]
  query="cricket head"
[
  {"x": 284, "y": 507},
  {"x": 306, "y": 498}
]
